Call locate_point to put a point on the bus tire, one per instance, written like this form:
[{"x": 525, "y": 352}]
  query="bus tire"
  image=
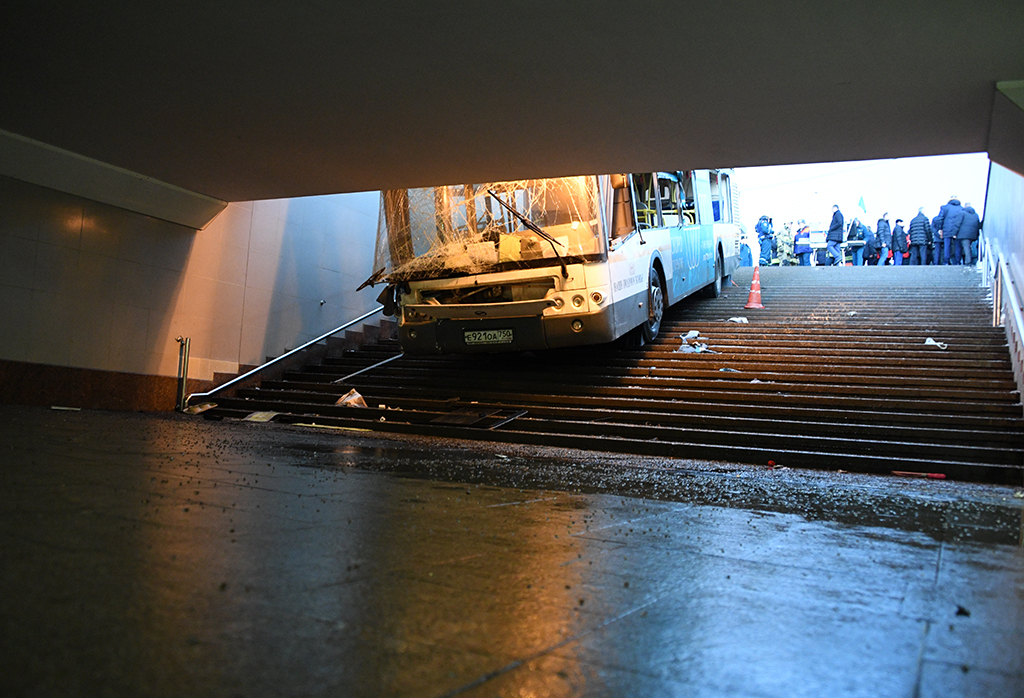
[
  {"x": 655, "y": 308},
  {"x": 714, "y": 289}
]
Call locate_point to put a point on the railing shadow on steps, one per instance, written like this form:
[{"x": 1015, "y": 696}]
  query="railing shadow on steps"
[{"x": 248, "y": 378}]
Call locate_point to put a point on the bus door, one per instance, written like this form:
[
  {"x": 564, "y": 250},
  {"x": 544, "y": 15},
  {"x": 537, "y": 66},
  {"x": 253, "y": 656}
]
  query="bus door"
[
  {"x": 706, "y": 220},
  {"x": 678, "y": 201}
]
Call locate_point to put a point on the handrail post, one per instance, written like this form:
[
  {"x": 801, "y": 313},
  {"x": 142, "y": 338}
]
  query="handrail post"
[{"x": 183, "y": 351}]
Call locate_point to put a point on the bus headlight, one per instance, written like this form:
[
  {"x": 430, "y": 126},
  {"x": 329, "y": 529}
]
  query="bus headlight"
[{"x": 577, "y": 301}]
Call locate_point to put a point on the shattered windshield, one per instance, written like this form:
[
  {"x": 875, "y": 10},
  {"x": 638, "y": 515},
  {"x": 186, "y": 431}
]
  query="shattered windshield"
[{"x": 475, "y": 228}]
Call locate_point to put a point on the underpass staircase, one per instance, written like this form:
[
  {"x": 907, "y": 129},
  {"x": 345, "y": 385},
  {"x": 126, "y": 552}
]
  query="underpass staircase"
[{"x": 852, "y": 368}]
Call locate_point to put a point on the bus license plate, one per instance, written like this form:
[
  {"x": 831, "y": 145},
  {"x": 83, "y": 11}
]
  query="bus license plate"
[{"x": 489, "y": 337}]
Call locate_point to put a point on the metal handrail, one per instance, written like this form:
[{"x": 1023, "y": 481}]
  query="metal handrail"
[
  {"x": 1018, "y": 313},
  {"x": 1006, "y": 295},
  {"x": 258, "y": 369}
]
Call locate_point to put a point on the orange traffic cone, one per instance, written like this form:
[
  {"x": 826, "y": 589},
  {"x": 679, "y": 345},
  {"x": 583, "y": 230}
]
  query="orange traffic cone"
[{"x": 754, "y": 299}]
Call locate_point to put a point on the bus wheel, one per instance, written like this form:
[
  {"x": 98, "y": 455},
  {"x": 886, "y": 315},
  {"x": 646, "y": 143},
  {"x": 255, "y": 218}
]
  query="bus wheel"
[
  {"x": 714, "y": 289},
  {"x": 655, "y": 307}
]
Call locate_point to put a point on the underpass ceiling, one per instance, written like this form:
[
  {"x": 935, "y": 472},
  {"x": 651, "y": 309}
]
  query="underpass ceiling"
[{"x": 252, "y": 100}]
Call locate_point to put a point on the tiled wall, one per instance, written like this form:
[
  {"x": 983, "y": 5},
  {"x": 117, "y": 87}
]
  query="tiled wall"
[
  {"x": 1004, "y": 218},
  {"x": 87, "y": 285}
]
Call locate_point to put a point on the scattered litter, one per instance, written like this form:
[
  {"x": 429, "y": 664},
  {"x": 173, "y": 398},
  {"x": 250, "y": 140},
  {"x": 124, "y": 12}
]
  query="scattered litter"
[
  {"x": 382, "y": 407},
  {"x": 501, "y": 456},
  {"x": 200, "y": 408},
  {"x": 740, "y": 320},
  {"x": 351, "y": 399},
  {"x": 60, "y": 408},
  {"x": 382, "y": 419},
  {"x": 852, "y": 313},
  {"x": 932, "y": 342},
  {"x": 265, "y": 416},
  {"x": 695, "y": 349},
  {"x": 732, "y": 282},
  {"x": 961, "y": 611},
  {"x": 755, "y": 381},
  {"x": 1019, "y": 494},
  {"x": 729, "y": 370}
]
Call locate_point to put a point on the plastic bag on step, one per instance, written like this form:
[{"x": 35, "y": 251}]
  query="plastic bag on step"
[
  {"x": 740, "y": 320},
  {"x": 692, "y": 334},
  {"x": 695, "y": 349},
  {"x": 351, "y": 399},
  {"x": 933, "y": 343}
]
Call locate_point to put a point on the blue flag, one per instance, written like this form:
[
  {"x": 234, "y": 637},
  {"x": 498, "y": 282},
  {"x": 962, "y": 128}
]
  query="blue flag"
[{"x": 862, "y": 206}]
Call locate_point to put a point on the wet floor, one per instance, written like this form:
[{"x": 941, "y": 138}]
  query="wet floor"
[{"x": 161, "y": 555}]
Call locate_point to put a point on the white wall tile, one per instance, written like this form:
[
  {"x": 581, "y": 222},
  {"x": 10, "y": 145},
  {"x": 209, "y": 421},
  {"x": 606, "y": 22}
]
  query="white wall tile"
[
  {"x": 262, "y": 270},
  {"x": 224, "y": 342},
  {"x": 17, "y": 260},
  {"x": 129, "y": 328},
  {"x": 234, "y": 224},
  {"x": 97, "y": 281},
  {"x": 56, "y": 267},
  {"x": 156, "y": 244},
  {"x": 271, "y": 208},
  {"x": 61, "y": 223},
  {"x": 266, "y": 232},
  {"x": 89, "y": 340},
  {"x": 50, "y": 328},
  {"x": 102, "y": 227},
  {"x": 16, "y": 323}
]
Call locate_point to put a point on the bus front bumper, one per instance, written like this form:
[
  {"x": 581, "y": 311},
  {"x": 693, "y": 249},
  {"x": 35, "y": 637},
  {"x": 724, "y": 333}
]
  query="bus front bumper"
[{"x": 491, "y": 335}]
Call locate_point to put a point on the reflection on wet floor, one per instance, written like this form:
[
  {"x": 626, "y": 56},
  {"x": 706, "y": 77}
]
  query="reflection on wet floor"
[{"x": 157, "y": 555}]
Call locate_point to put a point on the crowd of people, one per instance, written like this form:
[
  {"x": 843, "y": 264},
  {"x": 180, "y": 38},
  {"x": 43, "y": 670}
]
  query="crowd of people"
[{"x": 951, "y": 237}]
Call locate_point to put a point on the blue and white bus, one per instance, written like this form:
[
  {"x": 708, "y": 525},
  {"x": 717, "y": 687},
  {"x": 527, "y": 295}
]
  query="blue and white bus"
[{"x": 537, "y": 264}]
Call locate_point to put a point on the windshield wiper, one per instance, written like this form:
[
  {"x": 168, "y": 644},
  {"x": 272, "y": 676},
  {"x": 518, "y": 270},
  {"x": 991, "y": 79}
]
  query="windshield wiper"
[{"x": 533, "y": 227}]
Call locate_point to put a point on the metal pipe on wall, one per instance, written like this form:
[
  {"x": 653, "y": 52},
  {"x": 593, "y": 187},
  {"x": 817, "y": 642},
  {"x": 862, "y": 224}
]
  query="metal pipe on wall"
[{"x": 183, "y": 351}]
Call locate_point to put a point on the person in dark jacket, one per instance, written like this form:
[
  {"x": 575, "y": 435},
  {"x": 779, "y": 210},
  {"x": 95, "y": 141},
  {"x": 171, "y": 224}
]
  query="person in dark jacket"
[
  {"x": 968, "y": 234},
  {"x": 920, "y": 230},
  {"x": 802, "y": 243},
  {"x": 870, "y": 245},
  {"x": 884, "y": 238},
  {"x": 765, "y": 240},
  {"x": 936, "y": 246},
  {"x": 834, "y": 236},
  {"x": 899, "y": 243},
  {"x": 855, "y": 240},
  {"x": 952, "y": 215}
]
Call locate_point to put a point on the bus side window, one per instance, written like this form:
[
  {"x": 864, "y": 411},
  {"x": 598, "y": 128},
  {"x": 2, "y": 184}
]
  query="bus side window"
[
  {"x": 716, "y": 202},
  {"x": 646, "y": 201},
  {"x": 622, "y": 208},
  {"x": 721, "y": 197},
  {"x": 670, "y": 205},
  {"x": 726, "y": 194},
  {"x": 688, "y": 202}
]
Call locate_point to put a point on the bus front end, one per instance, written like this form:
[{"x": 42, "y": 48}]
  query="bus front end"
[{"x": 506, "y": 266}]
